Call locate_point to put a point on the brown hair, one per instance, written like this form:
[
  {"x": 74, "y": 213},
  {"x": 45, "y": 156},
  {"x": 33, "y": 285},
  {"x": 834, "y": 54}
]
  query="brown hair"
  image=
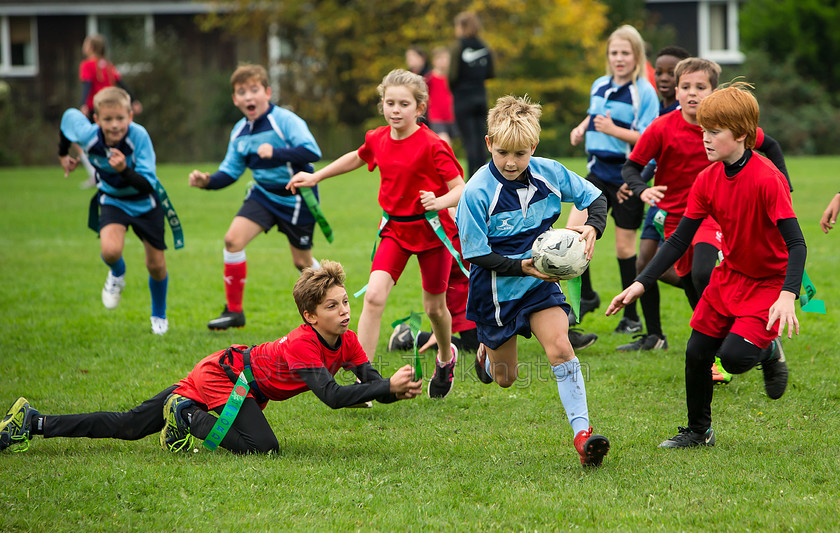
[
  {"x": 733, "y": 107},
  {"x": 111, "y": 96},
  {"x": 314, "y": 282},
  {"x": 96, "y": 43},
  {"x": 246, "y": 73},
  {"x": 695, "y": 64},
  {"x": 514, "y": 123},
  {"x": 469, "y": 23}
]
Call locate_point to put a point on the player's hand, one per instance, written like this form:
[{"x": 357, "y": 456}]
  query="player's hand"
[
  {"x": 429, "y": 201},
  {"x": 302, "y": 179},
  {"x": 265, "y": 151},
  {"x": 588, "y": 234},
  {"x": 429, "y": 343},
  {"x": 604, "y": 123},
  {"x": 623, "y": 193},
  {"x": 529, "y": 269},
  {"x": 199, "y": 179},
  {"x": 116, "y": 159},
  {"x": 136, "y": 107},
  {"x": 403, "y": 385},
  {"x": 829, "y": 218},
  {"x": 68, "y": 163},
  {"x": 577, "y": 135},
  {"x": 784, "y": 312},
  {"x": 85, "y": 110},
  {"x": 654, "y": 194},
  {"x": 627, "y": 297}
]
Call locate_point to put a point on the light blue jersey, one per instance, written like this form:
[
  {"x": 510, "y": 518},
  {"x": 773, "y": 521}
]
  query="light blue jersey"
[
  {"x": 505, "y": 217},
  {"x": 631, "y": 106},
  {"x": 139, "y": 155},
  {"x": 281, "y": 129}
]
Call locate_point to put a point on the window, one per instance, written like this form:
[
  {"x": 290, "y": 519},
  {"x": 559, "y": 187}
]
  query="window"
[
  {"x": 718, "y": 31},
  {"x": 18, "y": 46}
]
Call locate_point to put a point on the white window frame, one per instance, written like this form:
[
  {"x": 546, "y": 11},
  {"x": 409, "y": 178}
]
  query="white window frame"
[
  {"x": 6, "y": 67},
  {"x": 732, "y": 54}
]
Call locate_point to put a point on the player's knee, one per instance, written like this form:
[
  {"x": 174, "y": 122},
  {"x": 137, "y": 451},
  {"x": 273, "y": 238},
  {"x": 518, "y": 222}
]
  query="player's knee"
[
  {"x": 504, "y": 375},
  {"x": 375, "y": 299},
  {"x": 738, "y": 363},
  {"x": 434, "y": 310}
]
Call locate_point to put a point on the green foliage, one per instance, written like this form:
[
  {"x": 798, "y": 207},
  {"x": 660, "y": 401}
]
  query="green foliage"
[
  {"x": 801, "y": 31},
  {"x": 795, "y": 111},
  {"x": 484, "y": 459},
  {"x": 340, "y": 50}
]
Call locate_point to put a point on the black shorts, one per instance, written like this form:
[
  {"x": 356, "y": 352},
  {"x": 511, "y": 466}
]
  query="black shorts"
[
  {"x": 299, "y": 236},
  {"x": 628, "y": 214},
  {"x": 149, "y": 226},
  {"x": 444, "y": 127}
]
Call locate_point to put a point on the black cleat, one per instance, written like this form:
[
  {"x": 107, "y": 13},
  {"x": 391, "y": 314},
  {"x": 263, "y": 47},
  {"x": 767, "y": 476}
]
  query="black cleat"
[
  {"x": 228, "y": 319},
  {"x": 587, "y": 305},
  {"x": 645, "y": 342},
  {"x": 628, "y": 326},
  {"x": 775, "y": 371},
  {"x": 581, "y": 340},
  {"x": 480, "y": 372},
  {"x": 689, "y": 439}
]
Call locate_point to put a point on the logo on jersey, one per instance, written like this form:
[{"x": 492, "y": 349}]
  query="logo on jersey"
[
  {"x": 504, "y": 225},
  {"x": 470, "y": 56}
]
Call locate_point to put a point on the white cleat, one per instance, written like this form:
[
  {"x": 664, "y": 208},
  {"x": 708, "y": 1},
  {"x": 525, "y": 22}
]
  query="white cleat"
[
  {"x": 159, "y": 325},
  {"x": 112, "y": 291}
]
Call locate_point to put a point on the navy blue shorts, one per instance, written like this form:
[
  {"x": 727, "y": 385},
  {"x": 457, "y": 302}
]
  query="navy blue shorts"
[
  {"x": 544, "y": 296},
  {"x": 627, "y": 214},
  {"x": 149, "y": 226},
  {"x": 648, "y": 229},
  {"x": 300, "y": 236}
]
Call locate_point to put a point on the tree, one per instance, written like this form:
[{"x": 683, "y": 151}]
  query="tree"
[
  {"x": 341, "y": 49},
  {"x": 802, "y": 31}
]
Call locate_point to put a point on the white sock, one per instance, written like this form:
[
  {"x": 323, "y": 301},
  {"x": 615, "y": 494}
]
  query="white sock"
[{"x": 572, "y": 391}]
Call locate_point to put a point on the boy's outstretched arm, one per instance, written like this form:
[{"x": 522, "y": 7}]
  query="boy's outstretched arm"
[
  {"x": 346, "y": 163},
  {"x": 373, "y": 386},
  {"x": 668, "y": 254}
]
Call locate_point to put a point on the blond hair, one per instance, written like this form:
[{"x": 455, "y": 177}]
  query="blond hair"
[
  {"x": 247, "y": 72},
  {"x": 403, "y": 78},
  {"x": 514, "y": 123},
  {"x": 311, "y": 287},
  {"x": 733, "y": 107},
  {"x": 695, "y": 64},
  {"x": 111, "y": 96},
  {"x": 637, "y": 44}
]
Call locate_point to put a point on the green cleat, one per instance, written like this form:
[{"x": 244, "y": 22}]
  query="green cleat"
[
  {"x": 175, "y": 435},
  {"x": 15, "y": 429}
]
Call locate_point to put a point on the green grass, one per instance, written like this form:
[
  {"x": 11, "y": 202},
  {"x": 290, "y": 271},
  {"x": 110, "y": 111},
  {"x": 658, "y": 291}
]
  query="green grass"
[{"x": 485, "y": 458}]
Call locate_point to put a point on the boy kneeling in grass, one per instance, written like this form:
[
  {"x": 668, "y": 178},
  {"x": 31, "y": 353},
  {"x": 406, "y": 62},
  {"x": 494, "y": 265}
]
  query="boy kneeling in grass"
[{"x": 305, "y": 359}]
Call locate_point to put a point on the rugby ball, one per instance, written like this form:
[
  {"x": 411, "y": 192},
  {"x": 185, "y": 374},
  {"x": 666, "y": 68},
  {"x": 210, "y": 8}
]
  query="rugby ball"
[{"x": 560, "y": 253}]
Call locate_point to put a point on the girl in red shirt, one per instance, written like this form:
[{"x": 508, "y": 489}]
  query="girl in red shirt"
[{"x": 418, "y": 174}]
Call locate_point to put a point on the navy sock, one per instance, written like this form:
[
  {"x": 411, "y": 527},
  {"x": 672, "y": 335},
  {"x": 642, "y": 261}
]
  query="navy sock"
[{"x": 158, "y": 291}]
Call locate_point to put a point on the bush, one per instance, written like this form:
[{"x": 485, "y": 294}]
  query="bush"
[{"x": 796, "y": 112}]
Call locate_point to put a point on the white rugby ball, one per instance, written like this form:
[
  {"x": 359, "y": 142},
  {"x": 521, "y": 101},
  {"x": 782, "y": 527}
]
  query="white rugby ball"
[{"x": 560, "y": 253}]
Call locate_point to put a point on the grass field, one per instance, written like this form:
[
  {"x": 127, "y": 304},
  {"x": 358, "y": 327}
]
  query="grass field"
[{"x": 485, "y": 458}]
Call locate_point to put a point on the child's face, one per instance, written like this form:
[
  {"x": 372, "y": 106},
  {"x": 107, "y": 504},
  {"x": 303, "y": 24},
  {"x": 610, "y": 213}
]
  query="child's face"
[
  {"x": 722, "y": 145},
  {"x": 400, "y": 108},
  {"x": 441, "y": 61},
  {"x": 621, "y": 59},
  {"x": 113, "y": 119},
  {"x": 511, "y": 163},
  {"x": 692, "y": 88},
  {"x": 252, "y": 98},
  {"x": 414, "y": 61},
  {"x": 332, "y": 316},
  {"x": 666, "y": 83}
]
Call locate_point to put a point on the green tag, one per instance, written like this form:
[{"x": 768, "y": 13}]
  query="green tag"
[
  {"x": 413, "y": 321},
  {"x": 659, "y": 222},
  {"x": 231, "y": 409},
  {"x": 807, "y": 301},
  {"x": 573, "y": 294},
  {"x": 171, "y": 216},
  {"x": 315, "y": 209}
]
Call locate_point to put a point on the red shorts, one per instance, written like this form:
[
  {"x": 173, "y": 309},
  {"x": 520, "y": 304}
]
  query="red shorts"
[
  {"x": 735, "y": 303},
  {"x": 434, "y": 264},
  {"x": 207, "y": 383},
  {"x": 709, "y": 232}
]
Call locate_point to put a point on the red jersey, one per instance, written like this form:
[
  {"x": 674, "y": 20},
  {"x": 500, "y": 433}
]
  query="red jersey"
[
  {"x": 440, "y": 99},
  {"x": 747, "y": 206},
  {"x": 680, "y": 155},
  {"x": 420, "y": 162},
  {"x": 273, "y": 365},
  {"x": 101, "y": 73}
]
